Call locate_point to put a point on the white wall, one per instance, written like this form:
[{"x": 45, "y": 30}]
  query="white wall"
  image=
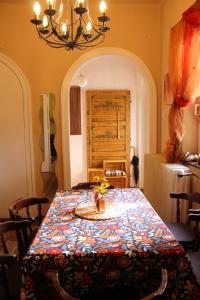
[{"x": 108, "y": 72}]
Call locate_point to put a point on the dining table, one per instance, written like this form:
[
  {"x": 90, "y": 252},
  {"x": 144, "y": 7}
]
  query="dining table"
[{"x": 126, "y": 247}]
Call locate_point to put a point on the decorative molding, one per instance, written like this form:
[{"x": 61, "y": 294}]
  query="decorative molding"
[
  {"x": 109, "y": 105},
  {"x": 109, "y": 135}
]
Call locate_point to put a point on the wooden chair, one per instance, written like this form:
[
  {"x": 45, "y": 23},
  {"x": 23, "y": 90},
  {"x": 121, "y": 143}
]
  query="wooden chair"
[
  {"x": 186, "y": 233},
  {"x": 87, "y": 185},
  {"x": 20, "y": 209},
  {"x": 10, "y": 271},
  {"x": 53, "y": 275},
  {"x": 161, "y": 288}
]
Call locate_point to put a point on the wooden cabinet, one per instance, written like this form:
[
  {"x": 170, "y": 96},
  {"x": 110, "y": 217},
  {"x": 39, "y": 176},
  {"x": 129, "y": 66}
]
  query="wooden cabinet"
[
  {"x": 108, "y": 131},
  {"x": 94, "y": 172},
  {"x": 116, "y": 172}
]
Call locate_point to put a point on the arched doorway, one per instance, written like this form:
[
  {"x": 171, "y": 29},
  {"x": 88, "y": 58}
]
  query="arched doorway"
[
  {"x": 146, "y": 106},
  {"x": 17, "y": 171}
]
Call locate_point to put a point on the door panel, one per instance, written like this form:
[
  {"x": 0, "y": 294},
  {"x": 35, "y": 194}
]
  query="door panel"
[{"x": 108, "y": 127}]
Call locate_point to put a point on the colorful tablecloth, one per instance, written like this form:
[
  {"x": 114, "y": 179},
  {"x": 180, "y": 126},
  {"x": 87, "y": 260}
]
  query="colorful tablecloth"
[{"x": 92, "y": 256}]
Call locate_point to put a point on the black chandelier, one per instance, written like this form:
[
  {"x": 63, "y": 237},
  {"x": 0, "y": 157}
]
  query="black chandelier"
[{"x": 77, "y": 31}]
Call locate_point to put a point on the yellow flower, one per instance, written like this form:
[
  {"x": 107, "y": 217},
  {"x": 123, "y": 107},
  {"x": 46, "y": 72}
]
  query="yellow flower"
[{"x": 102, "y": 184}]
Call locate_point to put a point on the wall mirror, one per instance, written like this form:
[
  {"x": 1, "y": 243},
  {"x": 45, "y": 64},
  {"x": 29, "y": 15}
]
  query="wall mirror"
[{"x": 49, "y": 153}]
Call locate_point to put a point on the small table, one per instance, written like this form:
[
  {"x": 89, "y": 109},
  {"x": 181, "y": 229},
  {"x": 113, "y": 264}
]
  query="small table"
[{"x": 92, "y": 256}]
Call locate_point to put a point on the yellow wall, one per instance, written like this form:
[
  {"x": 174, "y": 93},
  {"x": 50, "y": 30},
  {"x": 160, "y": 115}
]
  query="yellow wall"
[
  {"x": 133, "y": 27},
  {"x": 171, "y": 12}
]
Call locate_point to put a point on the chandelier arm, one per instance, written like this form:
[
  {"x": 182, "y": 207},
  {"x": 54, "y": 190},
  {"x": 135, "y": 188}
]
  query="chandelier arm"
[
  {"x": 93, "y": 39},
  {"x": 58, "y": 24},
  {"x": 78, "y": 34},
  {"x": 94, "y": 26},
  {"x": 54, "y": 31},
  {"x": 61, "y": 40},
  {"x": 44, "y": 38},
  {"x": 62, "y": 43},
  {"x": 86, "y": 45},
  {"x": 51, "y": 43},
  {"x": 40, "y": 34},
  {"x": 57, "y": 46},
  {"x": 83, "y": 47}
]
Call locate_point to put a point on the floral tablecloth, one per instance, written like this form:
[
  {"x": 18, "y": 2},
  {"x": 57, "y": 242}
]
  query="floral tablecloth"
[{"x": 95, "y": 256}]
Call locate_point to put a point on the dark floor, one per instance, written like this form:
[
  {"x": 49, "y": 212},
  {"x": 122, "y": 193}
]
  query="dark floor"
[{"x": 195, "y": 260}]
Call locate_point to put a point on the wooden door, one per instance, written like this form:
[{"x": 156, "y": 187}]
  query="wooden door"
[{"x": 108, "y": 127}]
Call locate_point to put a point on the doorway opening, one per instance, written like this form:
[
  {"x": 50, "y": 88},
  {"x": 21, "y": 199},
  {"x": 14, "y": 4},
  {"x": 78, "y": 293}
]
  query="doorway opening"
[{"x": 110, "y": 68}]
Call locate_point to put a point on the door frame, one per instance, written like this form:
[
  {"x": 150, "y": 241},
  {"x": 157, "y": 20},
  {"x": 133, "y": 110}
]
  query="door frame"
[{"x": 27, "y": 113}]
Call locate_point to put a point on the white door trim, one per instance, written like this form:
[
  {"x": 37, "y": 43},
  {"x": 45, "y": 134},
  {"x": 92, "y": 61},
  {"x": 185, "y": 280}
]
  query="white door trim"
[{"x": 27, "y": 114}]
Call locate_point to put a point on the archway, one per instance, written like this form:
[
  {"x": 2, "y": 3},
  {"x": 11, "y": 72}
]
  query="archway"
[
  {"x": 146, "y": 90},
  {"x": 16, "y": 137}
]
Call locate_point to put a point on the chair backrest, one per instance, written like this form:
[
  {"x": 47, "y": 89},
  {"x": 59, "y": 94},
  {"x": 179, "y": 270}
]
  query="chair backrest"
[
  {"x": 87, "y": 185},
  {"x": 20, "y": 228},
  {"x": 20, "y": 204},
  {"x": 190, "y": 197},
  {"x": 195, "y": 217}
]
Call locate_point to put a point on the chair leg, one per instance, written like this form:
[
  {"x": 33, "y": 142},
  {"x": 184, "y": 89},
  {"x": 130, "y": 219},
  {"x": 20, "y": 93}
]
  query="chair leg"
[
  {"x": 22, "y": 295},
  {"x": 161, "y": 288},
  {"x": 53, "y": 275},
  {"x": 4, "y": 280}
]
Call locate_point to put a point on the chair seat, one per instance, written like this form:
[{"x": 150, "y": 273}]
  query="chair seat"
[
  {"x": 187, "y": 237},
  {"x": 183, "y": 233}
]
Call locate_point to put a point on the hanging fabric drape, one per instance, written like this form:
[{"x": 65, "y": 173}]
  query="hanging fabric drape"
[{"x": 184, "y": 76}]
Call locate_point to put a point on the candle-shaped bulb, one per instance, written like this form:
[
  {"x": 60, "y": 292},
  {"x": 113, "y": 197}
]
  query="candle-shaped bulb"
[
  {"x": 64, "y": 28},
  {"x": 80, "y": 2},
  {"x": 89, "y": 27},
  {"x": 103, "y": 7},
  {"x": 45, "y": 21},
  {"x": 37, "y": 9},
  {"x": 50, "y": 3},
  {"x": 60, "y": 11}
]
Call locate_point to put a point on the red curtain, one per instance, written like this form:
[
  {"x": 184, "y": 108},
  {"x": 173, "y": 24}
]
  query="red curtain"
[{"x": 184, "y": 76}]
